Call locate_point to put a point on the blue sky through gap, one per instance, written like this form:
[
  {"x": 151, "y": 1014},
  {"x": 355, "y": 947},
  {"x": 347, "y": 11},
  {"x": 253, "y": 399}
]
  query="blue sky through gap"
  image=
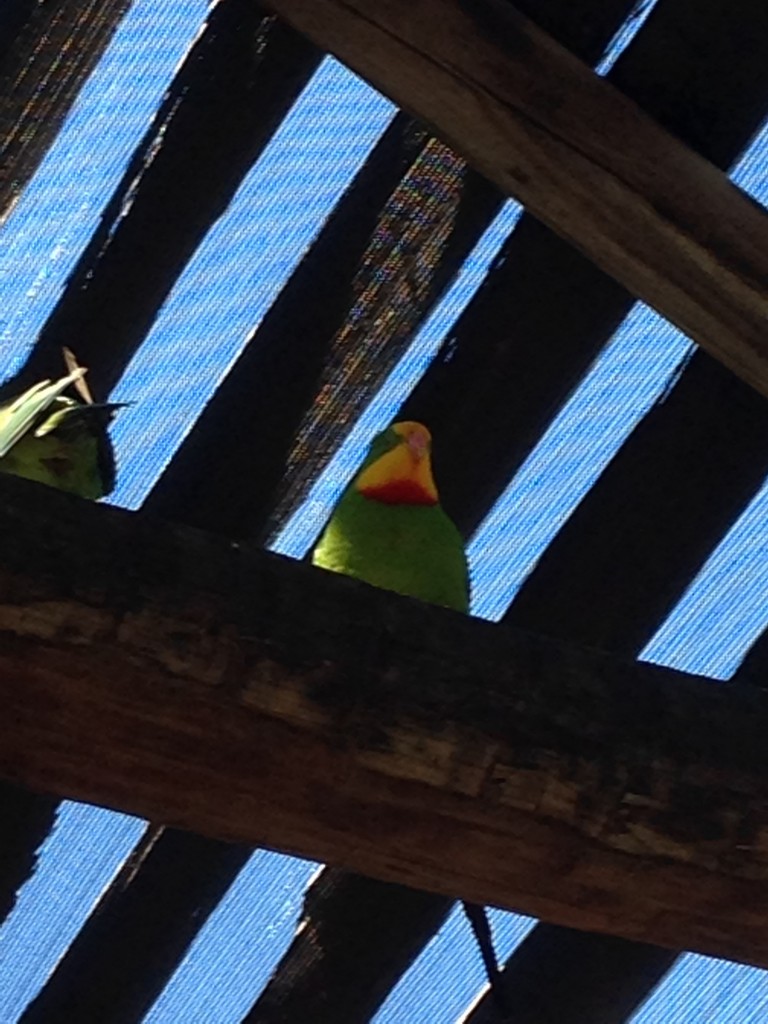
[
  {"x": 447, "y": 977},
  {"x": 725, "y": 604},
  {"x": 221, "y": 296}
]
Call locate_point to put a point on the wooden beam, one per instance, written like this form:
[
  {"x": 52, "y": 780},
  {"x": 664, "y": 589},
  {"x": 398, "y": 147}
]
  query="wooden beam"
[
  {"x": 178, "y": 676},
  {"x": 578, "y": 154}
]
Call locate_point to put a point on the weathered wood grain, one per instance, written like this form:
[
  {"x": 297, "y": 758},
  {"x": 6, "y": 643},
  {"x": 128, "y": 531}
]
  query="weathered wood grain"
[
  {"x": 167, "y": 673},
  {"x": 578, "y": 154}
]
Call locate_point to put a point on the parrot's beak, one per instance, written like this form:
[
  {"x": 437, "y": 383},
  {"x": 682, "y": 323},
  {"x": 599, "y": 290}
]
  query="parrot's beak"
[
  {"x": 418, "y": 443},
  {"x": 402, "y": 475}
]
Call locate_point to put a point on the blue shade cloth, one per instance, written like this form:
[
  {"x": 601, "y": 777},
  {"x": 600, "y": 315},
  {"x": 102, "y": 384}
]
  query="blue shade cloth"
[
  {"x": 700, "y": 990},
  {"x": 240, "y": 268},
  {"x": 725, "y": 609},
  {"x": 626, "y": 33},
  {"x": 620, "y": 388},
  {"x": 78, "y": 860},
  {"x": 449, "y": 975},
  {"x": 235, "y": 953},
  {"x": 45, "y": 234}
]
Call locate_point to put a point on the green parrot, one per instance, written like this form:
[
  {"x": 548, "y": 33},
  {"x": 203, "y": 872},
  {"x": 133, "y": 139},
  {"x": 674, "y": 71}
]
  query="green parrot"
[
  {"x": 56, "y": 440},
  {"x": 390, "y": 530}
]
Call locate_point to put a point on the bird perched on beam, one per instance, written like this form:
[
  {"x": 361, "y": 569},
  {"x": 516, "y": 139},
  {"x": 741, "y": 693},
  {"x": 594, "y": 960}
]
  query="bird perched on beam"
[
  {"x": 57, "y": 440},
  {"x": 390, "y": 530}
]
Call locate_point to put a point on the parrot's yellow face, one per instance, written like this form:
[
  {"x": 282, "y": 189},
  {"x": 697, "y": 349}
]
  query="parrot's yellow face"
[{"x": 398, "y": 470}]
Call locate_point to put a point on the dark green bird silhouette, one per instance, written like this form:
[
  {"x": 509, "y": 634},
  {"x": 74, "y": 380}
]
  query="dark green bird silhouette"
[{"x": 57, "y": 440}]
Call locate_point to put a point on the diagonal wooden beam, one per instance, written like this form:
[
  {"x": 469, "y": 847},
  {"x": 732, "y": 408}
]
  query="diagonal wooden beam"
[
  {"x": 171, "y": 674},
  {"x": 582, "y": 157}
]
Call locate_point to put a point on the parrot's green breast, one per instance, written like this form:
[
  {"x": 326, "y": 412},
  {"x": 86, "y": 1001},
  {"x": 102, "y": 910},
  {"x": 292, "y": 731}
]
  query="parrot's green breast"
[{"x": 412, "y": 549}]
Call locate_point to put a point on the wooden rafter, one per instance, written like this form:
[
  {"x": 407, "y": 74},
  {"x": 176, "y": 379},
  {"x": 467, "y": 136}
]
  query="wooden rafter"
[
  {"x": 166, "y": 673},
  {"x": 577, "y": 153}
]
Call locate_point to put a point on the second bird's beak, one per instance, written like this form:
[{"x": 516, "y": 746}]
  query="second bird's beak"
[{"x": 418, "y": 444}]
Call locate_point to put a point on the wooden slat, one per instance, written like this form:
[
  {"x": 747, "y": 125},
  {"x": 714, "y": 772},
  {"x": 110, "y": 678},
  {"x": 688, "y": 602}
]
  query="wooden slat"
[
  {"x": 47, "y": 50},
  {"x": 14, "y": 15},
  {"x": 253, "y": 698},
  {"x": 580, "y": 156},
  {"x": 585, "y": 28},
  {"x": 348, "y": 982},
  {"x": 561, "y": 976},
  {"x": 233, "y": 89},
  {"x": 754, "y": 668},
  {"x": 27, "y": 820}
]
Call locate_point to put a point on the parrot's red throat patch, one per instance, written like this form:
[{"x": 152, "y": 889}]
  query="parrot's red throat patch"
[
  {"x": 402, "y": 475},
  {"x": 403, "y": 491}
]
